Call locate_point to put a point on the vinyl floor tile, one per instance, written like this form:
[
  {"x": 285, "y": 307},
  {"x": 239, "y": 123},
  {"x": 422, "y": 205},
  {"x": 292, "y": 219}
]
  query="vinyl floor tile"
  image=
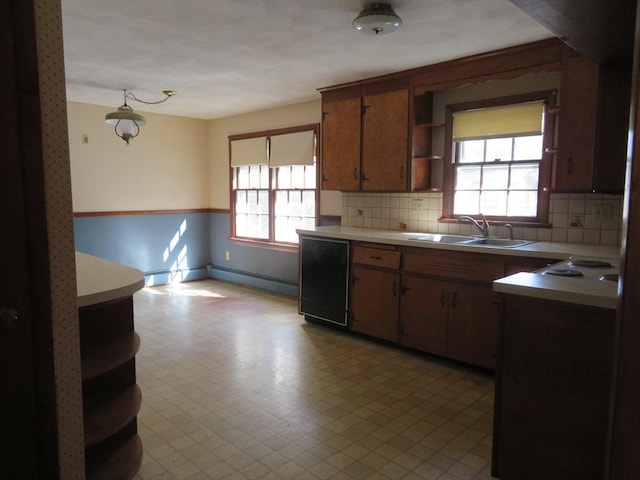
[{"x": 236, "y": 385}]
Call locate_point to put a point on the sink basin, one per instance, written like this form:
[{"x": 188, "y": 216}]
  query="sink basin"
[
  {"x": 443, "y": 238},
  {"x": 471, "y": 240},
  {"x": 499, "y": 242}
]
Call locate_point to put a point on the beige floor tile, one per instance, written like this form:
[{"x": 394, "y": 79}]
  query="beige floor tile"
[{"x": 236, "y": 385}]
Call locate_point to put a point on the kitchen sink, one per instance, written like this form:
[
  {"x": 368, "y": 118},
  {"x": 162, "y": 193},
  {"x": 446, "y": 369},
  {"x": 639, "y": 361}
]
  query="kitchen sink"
[
  {"x": 443, "y": 238},
  {"x": 499, "y": 242},
  {"x": 471, "y": 240}
]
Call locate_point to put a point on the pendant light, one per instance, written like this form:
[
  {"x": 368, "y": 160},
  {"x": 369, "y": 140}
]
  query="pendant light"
[
  {"x": 126, "y": 123},
  {"x": 377, "y": 19}
]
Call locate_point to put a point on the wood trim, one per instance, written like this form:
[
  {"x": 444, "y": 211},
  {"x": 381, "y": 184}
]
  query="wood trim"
[
  {"x": 273, "y": 132},
  {"x": 549, "y": 98},
  {"x": 535, "y": 56},
  {"x": 281, "y": 247},
  {"x": 146, "y": 212}
]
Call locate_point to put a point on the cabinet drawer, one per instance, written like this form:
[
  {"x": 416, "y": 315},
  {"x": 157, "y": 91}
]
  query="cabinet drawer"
[
  {"x": 376, "y": 257},
  {"x": 464, "y": 266}
]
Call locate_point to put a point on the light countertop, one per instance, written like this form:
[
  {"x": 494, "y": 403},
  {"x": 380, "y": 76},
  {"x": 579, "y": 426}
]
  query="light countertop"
[
  {"x": 100, "y": 280},
  {"x": 587, "y": 289},
  {"x": 553, "y": 250}
]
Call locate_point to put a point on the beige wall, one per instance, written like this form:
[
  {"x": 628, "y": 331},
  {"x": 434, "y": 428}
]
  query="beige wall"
[
  {"x": 166, "y": 166},
  {"x": 220, "y": 129}
]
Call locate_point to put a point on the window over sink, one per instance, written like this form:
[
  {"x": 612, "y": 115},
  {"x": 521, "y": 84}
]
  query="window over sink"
[{"x": 498, "y": 158}]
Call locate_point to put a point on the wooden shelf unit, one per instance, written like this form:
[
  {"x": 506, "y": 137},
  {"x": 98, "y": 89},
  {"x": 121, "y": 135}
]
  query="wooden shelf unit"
[
  {"x": 111, "y": 397},
  {"x": 422, "y": 143}
]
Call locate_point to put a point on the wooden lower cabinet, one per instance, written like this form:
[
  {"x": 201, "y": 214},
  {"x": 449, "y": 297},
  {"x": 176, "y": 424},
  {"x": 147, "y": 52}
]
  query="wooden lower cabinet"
[
  {"x": 435, "y": 301},
  {"x": 423, "y": 314},
  {"x": 451, "y": 319},
  {"x": 374, "y": 302},
  {"x": 472, "y": 333},
  {"x": 553, "y": 386}
]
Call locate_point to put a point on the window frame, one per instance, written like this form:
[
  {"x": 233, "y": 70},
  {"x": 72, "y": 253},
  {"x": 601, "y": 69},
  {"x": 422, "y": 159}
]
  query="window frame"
[
  {"x": 548, "y": 97},
  {"x": 270, "y": 242}
]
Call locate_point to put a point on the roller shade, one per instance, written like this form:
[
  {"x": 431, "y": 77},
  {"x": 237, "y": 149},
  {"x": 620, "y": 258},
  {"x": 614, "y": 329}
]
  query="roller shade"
[
  {"x": 292, "y": 149},
  {"x": 249, "y": 151},
  {"x": 509, "y": 120}
]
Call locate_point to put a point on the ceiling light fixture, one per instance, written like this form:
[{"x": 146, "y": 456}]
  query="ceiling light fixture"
[
  {"x": 377, "y": 19},
  {"x": 126, "y": 122}
]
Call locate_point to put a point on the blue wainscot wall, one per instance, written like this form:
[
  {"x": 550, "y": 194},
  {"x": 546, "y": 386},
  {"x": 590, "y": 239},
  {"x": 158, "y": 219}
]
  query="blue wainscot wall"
[
  {"x": 262, "y": 268},
  {"x": 183, "y": 247},
  {"x": 166, "y": 247}
]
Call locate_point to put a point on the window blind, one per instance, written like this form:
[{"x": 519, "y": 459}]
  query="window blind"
[
  {"x": 296, "y": 148},
  {"x": 509, "y": 120},
  {"x": 249, "y": 151}
]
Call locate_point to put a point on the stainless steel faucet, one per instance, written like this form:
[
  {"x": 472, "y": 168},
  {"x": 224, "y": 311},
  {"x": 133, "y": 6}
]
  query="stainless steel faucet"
[{"x": 484, "y": 228}]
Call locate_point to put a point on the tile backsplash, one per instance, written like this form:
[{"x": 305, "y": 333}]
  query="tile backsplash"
[{"x": 575, "y": 218}]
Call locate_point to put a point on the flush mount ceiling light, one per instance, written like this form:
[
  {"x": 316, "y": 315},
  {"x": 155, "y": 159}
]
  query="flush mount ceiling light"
[
  {"x": 377, "y": 19},
  {"x": 126, "y": 122}
]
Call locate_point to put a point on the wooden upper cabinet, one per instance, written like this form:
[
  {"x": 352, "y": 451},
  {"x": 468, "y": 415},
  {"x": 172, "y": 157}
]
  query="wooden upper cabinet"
[
  {"x": 365, "y": 137},
  {"x": 592, "y": 136},
  {"x": 341, "y": 130},
  {"x": 385, "y": 140},
  {"x": 577, "y": 128}
]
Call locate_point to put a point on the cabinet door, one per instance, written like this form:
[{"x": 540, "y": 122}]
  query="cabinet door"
[
  {"x": 552, "y": 390},
  {"x": 341, "y": 129},
  {"x": 385, "y": 141},
  {"x": 423, "y": 314},
  {"x": 577, "y": 128},
  {"x": 374, "y": 303},
  {"x": 473, "y": 325}
]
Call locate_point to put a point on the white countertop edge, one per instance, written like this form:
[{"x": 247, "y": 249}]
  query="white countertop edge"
[
  {"x": 552, "y": 250},
  {"x": 580, "y": 291},
  {"x": 100, "y": 280}
]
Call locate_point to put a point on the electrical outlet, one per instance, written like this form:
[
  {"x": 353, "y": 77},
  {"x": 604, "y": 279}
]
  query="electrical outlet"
[
  {"x": 227, "y": 256},
  {"x": 603, "y": 211},
  {"x": 418, "y": 204},
  {"x": 576, "y": 221}
]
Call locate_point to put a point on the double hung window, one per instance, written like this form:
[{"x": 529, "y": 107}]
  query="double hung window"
[
  {"x": 497, "y": 161},
  {"x": 274, "y": 180}
]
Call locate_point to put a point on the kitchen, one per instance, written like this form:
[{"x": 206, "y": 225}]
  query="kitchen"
[{"x": 218, "y": 255}]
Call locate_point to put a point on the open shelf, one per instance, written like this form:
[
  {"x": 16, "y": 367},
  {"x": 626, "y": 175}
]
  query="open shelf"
[
  {"x": 104, "y": 358},
  {"x": 106, "y": 414},
  {"x": 122, "y": 461}
]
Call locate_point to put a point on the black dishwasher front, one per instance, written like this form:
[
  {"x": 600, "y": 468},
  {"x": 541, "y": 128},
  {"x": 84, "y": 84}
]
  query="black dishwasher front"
[{"x": 324, "y": 277}]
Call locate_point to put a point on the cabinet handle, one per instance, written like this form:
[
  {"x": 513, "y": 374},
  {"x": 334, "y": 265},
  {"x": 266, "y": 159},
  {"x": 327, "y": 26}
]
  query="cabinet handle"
[
  {"x": 570, "y": 166},
  {"x": 403, "y": 289},
  {"x": 324, "y": 178},
  {"x": 394, "y": 288},
  {"x": 354, "y": 279},
  {"x": 375, "y": 257},
  {"x": 443, "y": 300},
  {"x": 364, "y": 108},
  {"x": 364, "y": 177},
  {"x": 355, "y": 173},
  {"x": 454, "y": 300},
  {"x": 401, "y": 172}
]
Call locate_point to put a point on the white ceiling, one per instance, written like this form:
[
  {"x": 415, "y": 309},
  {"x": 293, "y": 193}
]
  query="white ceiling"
[{"x": 226, "y": 57}]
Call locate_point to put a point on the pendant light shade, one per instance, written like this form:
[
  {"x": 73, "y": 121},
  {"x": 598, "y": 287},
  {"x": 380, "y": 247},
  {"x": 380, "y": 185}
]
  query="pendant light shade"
[
  {"x": 377, "y": 19},
  {"x": 126, "y": 123}
]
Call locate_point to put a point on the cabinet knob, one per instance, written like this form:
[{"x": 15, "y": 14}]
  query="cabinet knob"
[{"x": 8, "y": 318}]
